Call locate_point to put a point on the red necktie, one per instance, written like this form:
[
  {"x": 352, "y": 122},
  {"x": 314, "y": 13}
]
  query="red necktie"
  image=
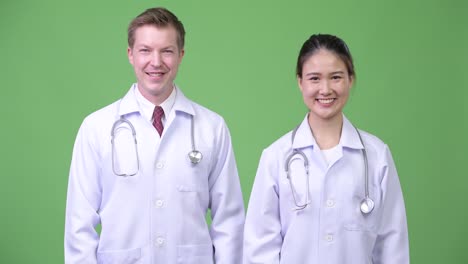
[{"x": 158, "y": 113}]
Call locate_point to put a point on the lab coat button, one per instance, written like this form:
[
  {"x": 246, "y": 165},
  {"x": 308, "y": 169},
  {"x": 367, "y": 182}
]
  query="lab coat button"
[
  {"x": 159, "y": 203},
  {"x": 159, "y": 241},
  {"x": 329, "y": 237},
  {"x": 160, "y": 165},
  {"x": 330, "y": 203}
]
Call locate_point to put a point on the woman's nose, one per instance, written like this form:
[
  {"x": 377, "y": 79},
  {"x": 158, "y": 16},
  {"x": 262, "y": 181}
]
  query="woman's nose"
[{"x": 325, "y": 88}]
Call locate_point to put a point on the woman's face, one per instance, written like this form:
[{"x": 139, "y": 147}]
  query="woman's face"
[{"x": 325, "y": 85}]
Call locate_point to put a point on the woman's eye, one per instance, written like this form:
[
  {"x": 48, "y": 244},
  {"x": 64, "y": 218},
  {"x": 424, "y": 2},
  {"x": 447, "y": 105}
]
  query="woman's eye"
[
  {"x": 336, "y": 77},
  {"x": 314, "y": 78}
]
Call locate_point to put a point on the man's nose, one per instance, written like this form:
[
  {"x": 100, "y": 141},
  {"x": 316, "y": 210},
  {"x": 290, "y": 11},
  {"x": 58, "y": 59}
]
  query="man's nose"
[{"x": 156, "y": 59}]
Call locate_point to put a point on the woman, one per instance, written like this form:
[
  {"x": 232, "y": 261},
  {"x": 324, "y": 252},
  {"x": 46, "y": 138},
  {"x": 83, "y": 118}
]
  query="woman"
[{"x": 326, "y": 192}]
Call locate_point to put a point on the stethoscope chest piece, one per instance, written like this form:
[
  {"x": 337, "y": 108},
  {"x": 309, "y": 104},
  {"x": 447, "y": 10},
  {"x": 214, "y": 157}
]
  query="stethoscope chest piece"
[
  {"x": 367, "y": 205},
  {"x": 195, "y": 156}
]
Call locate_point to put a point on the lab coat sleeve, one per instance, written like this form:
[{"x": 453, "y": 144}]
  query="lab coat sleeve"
[
  {"x": 392, "y": 244},
  {"x": 262, "y": 233},
  {"x": 83, "y": 199},
  {"x": 226, "y": 203}
]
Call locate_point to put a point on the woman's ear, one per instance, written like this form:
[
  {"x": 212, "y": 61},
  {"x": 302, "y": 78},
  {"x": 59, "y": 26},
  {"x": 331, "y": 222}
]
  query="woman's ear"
[
  {"x": 299, "y": 82},
  {"x": 351, "y": 81}
]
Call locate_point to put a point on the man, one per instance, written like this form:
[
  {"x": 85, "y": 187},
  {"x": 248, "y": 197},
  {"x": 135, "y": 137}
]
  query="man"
[{"x": 131, "y": 171}]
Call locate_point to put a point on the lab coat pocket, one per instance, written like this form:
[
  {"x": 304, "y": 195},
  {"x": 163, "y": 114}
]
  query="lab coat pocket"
[
  {"x": 355, "y": 226},
  {"x": 361, "y": 222},
  {"x": 363, "y": 237},
  {"x": 359, "y": 228},
  {"x": 195, "y": 254},
  {"x": 190, "y": 193},
  {"x": 354, "y": 219},
  {"x": 189, "y": 188},
  {"x": 132, "y": 256}
]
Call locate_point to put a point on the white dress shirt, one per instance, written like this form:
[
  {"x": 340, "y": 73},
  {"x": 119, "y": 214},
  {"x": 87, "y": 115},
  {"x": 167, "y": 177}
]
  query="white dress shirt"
[{"x": 147, "y": 107}]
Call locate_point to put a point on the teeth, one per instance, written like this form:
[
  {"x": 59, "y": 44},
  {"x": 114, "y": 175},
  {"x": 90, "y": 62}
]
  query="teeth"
[
  {"x": 325, "y": 101},
  {"x": 155, "y": 74}
]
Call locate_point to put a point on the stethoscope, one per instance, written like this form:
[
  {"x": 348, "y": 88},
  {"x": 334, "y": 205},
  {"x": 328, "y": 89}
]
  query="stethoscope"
[
  {"x": 367, "y": 204},
  {"x": 194, "y": 155}
]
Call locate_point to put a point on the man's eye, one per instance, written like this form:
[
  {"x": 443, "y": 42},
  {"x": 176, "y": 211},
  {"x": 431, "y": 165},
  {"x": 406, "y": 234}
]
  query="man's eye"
[
  {"x": 144, "y": 50},
  {"x": 168, "y": 51}
]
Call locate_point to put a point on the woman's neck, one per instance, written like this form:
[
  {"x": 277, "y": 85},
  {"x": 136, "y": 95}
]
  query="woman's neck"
[{"x": 327, "y": 133}]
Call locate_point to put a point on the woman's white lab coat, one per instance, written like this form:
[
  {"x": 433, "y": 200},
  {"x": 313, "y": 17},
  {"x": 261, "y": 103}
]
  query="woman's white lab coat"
[
  {"x": 158, "y": 215},
  {"x": 332, "y": 228}
]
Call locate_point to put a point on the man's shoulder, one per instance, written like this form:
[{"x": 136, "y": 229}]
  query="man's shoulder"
[
  {"x": 108, "y": 112},
  {"x": 204, "y": 113}
]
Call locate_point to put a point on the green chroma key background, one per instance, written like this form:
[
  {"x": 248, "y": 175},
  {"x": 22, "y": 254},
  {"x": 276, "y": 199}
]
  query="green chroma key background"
[{"x": 62, "y": 60}]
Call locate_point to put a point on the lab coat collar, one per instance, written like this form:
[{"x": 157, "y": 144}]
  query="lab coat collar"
[
  {"x": 349, "y": 135},
  {"x": 304, "y": 138},
  {"x": 129, "y": 103},
  {"x": 182, "y": 103}
]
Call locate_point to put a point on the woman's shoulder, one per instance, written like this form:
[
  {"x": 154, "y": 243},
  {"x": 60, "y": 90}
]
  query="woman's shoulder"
[
  {"x": 280, "y": 145},
  {"x": 374, "y": 145},
  {"x": 371, "y": 139}
]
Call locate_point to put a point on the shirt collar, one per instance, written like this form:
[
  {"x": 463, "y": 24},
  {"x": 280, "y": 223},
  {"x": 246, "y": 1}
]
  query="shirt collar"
[
  {"x": 147, "y": 107},
  {"x": 178, "y": 102},
  {"x": 304, "y": 138}
]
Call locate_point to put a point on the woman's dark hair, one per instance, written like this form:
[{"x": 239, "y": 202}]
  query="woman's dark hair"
[{"x": 328, "y": 42}]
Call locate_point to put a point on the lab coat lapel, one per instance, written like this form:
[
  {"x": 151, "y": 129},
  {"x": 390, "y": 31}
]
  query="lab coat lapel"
[
  {"x": 128, "y": 103},
  {"x": 349, "y": 136},
  {"x": 348, "y": 139},
  {"x": 181, "y": 105},
  {"x": 304, "y": 137}
]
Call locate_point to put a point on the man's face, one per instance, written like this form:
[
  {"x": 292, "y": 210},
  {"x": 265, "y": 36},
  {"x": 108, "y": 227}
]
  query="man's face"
[{"x": 155, "y": 57}]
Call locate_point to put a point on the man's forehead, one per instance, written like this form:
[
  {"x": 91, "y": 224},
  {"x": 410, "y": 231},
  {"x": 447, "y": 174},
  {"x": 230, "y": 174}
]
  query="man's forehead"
[{"x": 152, "y": 34}]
